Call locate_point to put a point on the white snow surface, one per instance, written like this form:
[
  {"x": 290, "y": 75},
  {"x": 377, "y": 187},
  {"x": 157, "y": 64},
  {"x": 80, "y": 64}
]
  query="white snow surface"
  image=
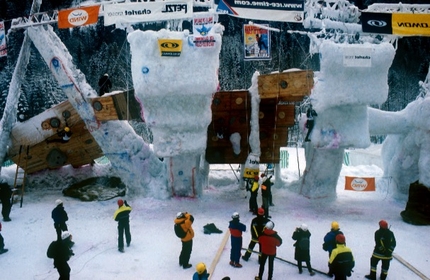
[{"x": 155, "y": 249}]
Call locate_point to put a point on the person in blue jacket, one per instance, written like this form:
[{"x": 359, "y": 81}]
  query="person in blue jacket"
[
  {"x": 236, "y": 228},
  {"x": 122, "y": 216},
  {"x": 330, "y": 238},
  {"x": 201, "y": 272}
]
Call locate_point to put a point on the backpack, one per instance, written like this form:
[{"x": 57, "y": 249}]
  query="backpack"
[
  {"x": 179, "y": 231},
  {"x": 52, "y": 250}
]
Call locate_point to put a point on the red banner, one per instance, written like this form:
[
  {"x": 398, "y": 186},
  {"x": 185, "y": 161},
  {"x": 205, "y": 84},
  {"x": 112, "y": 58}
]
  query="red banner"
[
  {"x": 360, "y": 184},
  {"x": 78, "y": 16}
]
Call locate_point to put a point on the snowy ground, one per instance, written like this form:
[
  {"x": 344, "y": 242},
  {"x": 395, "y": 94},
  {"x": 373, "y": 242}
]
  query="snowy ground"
[{"x": 154, "y": 250}]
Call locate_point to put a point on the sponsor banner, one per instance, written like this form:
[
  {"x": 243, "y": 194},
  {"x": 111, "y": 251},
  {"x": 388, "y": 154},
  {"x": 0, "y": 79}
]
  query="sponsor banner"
[
  {"x": 256, "y": 42},
  {"x": 360, "y": 184},
  {"x": 202, "y": 23},
  {"x": 204, "y": 41},
  {"x": 170, "y": 47},
  {"x": 396, "y": 23},
  {"x": 357, "y": 57},
  {"x": 252, "y": 166},
  {"x": 78, "y": 16},
  {"x": 147, "y": 11},
  {"x": 275, "y": 10},
  {"x": 3, "y": 48}
]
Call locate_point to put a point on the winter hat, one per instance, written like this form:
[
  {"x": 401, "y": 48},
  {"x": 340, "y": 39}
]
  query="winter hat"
[
  {"x": 270, "y": 225},
  {"x": 200, "y": 268},
  {"x": 58, "y": 202},
  {"x": 256, "y": 178},
  {"x": 383, "y": 224},
  {"x": 260, "y": 211},
  {"x": 179, "y": 215},
  {"x": 235, "y": 215},
  {"x": 304, "y": 227},
  {"x": 340, "y": 238},
  {"x": 65, "y": 235},
  {"x": 334, "y": 225},
  {"x": 120, "y": 202}
]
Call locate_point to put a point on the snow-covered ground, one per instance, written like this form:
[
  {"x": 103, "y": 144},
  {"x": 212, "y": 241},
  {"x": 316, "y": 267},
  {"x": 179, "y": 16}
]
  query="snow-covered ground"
[{"x": 154, "y": 249}]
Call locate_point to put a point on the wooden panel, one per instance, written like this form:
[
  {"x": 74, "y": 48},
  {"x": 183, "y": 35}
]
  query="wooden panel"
[
  {"x": 270, "y": 155},
  {"x": 288, "y": 86},
  {"x": 104, "y": 108},
  {"x": 118, "y": 106}
]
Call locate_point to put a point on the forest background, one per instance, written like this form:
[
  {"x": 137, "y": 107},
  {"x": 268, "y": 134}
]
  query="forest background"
[{"x": 100, "y": 49}]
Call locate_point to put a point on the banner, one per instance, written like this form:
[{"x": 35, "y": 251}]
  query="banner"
[
  {"x": 78, "y": 16},
  {"x": 396, "y": 23},
  {"x": 170, "y": 47},
  {"x": 256, "y": 42},
  {"x": 357, "y": 56},
  {"x": 147, "y": 11},
  {"x": 202, "y": 25},
  {"x": 360, "y": 184},
  {"x": 3, "y": 48},
  {"x": 279, "y": 10}
]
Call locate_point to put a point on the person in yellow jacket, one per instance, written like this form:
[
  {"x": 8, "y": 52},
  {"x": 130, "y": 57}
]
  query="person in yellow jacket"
[
  {"x": 186, "y": 220},
  {"x": 122, "y": 216}
]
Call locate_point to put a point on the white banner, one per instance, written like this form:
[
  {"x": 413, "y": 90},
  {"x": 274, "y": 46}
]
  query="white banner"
[
  {"x": 3, "y": 48},
  {"x": 357, "y": 57},
  {"x": 147, "y": 11}
]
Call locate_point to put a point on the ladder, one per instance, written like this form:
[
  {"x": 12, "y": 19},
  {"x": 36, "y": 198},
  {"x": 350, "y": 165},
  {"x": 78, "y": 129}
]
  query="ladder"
[{"x": 20, "y": 175}]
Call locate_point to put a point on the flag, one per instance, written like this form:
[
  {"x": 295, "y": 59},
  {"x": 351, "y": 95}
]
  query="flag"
[
  {"x": 78, "y": 16},
  {"x": 3, "y": 48},
  {"x": 396, "y": 23},
  {"x": 360, "y": 184}
]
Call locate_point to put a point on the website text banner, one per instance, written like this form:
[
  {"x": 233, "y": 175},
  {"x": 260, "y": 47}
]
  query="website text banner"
[
  {"x": 78, "y": 16},
  {"x": 411, "y": 24},
  {"x": 270, "y": 10},
  {"x": 360, "y": 184},
  {"x": 3, "y": 48},
  {"x": 147, "y": 11}
]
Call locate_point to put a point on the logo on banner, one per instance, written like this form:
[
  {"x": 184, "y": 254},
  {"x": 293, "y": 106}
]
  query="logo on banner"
[
  {"x": 170, "y": 47},
  {"x": 357, "y": 57},
  {"x": 359, "y": 184},
  {"x": 78, "y": 17}
]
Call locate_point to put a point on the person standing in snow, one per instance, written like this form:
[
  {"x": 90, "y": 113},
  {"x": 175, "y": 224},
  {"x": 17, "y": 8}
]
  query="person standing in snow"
[
  {"x": 62, "y": 254},
  {"x": 302, "y": 252},
  {"x": 5, "y": 198},
  {"x": 122, "y": 216},
  {"x": 341, "y": 260},
  {"x": 253, "y": 205},
  {"x": 2, "y": 248},
  {"x": 105, "y": 84},
  {"x": 257, "y": 227},
  {"x": 186, "y": 220},
  {"x": 385, "y": 242},
  {"x": 269, "y": 240},
  {"x": 236, "y": 228},
  {"x": 266, "y": 193},
  {"x": 201, "y": 272},
  {"x": 330, "y": 238},
  {"x": 59, "y": 215},
  {"x": 310, "y": 123}
]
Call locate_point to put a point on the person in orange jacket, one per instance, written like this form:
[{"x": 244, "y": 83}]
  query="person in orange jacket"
[
  {"x": 186, "y": 220},
  {"x": 269, "y": 240}
]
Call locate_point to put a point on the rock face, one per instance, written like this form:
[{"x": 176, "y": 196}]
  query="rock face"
[
  {"x": 97, "y": 188},
  {"x": 417, "y": 210}
]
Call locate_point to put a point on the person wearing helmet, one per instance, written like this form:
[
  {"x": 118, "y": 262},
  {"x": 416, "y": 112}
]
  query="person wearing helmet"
[
  {"x": 236, "y": 228},
  {"x": 59, "y": 215},
  {"x": 257, "y": 227},
  {"x": 186, "y": 220},
  {"x": 330, "y": 238},
  {"x": 269, "y": 240},
  {"x": 302, "y": 236},
  {"x": 385, "y": 242},
  {"x": 201, "y": 272},
  {"x": 105, "y": 84},
  {"x": 122, "y": 216},
  {"x": 341, "y": 260}
]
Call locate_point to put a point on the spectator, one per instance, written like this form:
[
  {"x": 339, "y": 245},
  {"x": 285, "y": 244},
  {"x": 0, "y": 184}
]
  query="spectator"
[
  {"x": 385, "y": 242},
  {"x": 62, "y": 255},
  {"x": 257, "y": 227},
  {"x": 236, "y": 229},
  {"x": 341, "y": 260},
  {"x": 201, "y": 272},
  {"x": 253, "y": 205},
  {"x": 266, "y": 193},
  {"x": 330, "y": 238},
  {"x": 5, "y": 198},
  {"x": 59, "y": 215},
  {"x": 105, "y": 85},
  {"x": 122, "y": 216},
  {"x": 269, "y": 240},
  {"x": 302, "y": 248},
  {"x": 186, "y": 220},
  {"x": 2, "y": 248}
]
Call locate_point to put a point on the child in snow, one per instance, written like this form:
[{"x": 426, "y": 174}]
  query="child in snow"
[{"x": 236, "y": 228}]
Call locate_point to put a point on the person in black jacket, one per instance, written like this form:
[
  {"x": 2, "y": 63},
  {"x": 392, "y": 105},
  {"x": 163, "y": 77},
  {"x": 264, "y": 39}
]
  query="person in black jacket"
[
  {"x": 341, "y": 260},
  {"x": 104, "y": 84},
  {"x": 257, "y": 227},
  {"x": 5, "y": 198},
  {"x": 122, "y": 216},
  {"x": 385, "y": 242},
  {"x": 62, "y": 255},
  {"x": 302, "y": 252},
  {"x": 59, "y": 215},
  {"x": 266, "y": 193}
]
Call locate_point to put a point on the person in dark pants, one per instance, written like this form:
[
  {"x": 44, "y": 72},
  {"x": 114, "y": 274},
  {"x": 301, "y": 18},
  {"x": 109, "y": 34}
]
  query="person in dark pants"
[
  {"x": 341, "y": 260},
  {"x": 236, "y": 228},
  {"x": 2, "y": 248},
  {"x": 253, "y": 205},
  {"x": 385, "y": 242},
  {"x": 186, "y": 220},
  {"x": 104, "y": 84},
  {"x": 266, "y": 193},
  {"x": 62, "y": 256},
  {"x": 257, "y": 227},
  {"x": 269, "y": 240},
  {"x": 302, "y": 252},
  {"x": 5, "y": 198},
  {"x": 122, "y": 216},
  {"x": 59, "y": 215},
  {"x": 330, "y": 238}
]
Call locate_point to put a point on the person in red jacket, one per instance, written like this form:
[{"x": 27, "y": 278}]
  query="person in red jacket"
[{"x": 269, "y": 240}]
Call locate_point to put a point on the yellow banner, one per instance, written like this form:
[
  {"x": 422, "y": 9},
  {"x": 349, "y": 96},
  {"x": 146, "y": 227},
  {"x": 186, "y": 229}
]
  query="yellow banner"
[
  {"x": 411, "y": 24},
  {"x": 170, "y": 47}
]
